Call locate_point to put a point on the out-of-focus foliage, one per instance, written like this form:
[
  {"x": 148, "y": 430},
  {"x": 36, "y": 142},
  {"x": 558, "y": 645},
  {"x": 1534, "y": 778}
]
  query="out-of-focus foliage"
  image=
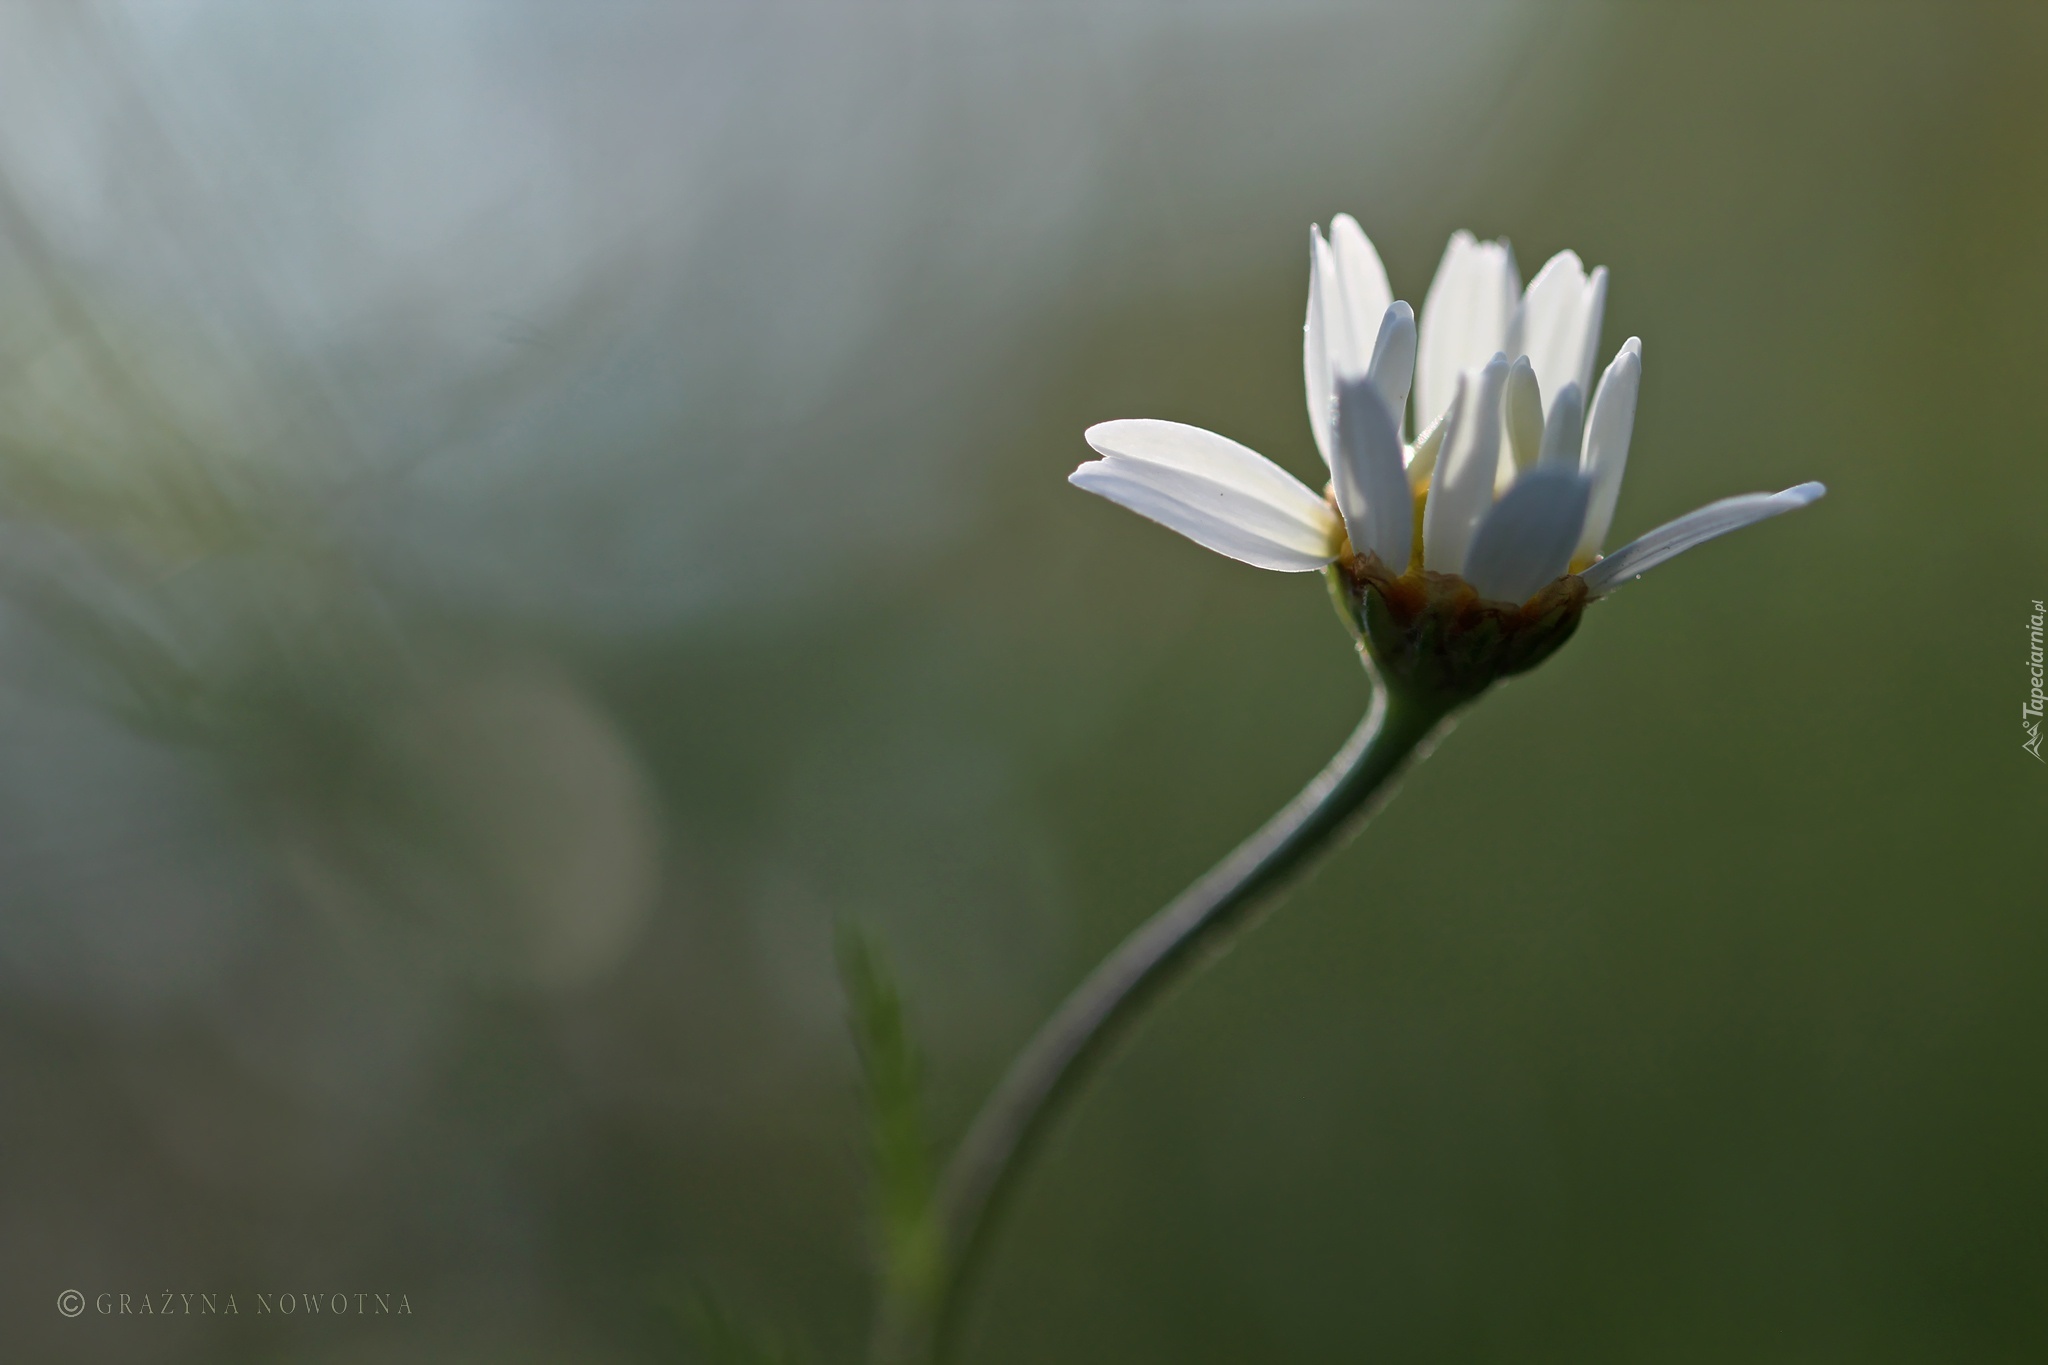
[
  {"x": 516, "y": 520},
  {"x": 899, "y": 1148},
  {"x": 727, "y": 1341}
]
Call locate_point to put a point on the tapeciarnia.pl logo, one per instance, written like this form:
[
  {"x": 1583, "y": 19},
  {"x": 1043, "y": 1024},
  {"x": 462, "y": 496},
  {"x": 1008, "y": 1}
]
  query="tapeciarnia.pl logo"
[
  {"x": 2030, "y": 714},
  {"x": 108, "y": 1304}
]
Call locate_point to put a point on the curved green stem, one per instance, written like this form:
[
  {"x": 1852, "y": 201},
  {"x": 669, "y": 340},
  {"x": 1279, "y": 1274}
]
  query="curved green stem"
[{"x": 1355, "y": 784}]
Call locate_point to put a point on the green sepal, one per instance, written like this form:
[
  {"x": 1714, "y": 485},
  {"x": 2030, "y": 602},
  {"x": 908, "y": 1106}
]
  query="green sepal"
[{"x": 1437, "y": 641}]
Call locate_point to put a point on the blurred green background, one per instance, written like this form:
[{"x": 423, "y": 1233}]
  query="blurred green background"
[{"x": 518, "y": 518}]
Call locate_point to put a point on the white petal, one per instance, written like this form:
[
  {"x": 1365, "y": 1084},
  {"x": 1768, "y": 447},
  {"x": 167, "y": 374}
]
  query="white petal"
[
  {"x": 1422, "y": 455},
  {"x": 1694, "y": 528},
  {"x": 1593, "y": 313},
  {"x": 1608, "y": 428},
  {"x": 1548, "y": 304},
  {"x": 1363, "y": 286},
  {"x": 1347, "y": 307},
  {"x": 1557, "y": 324},
  {"x": 1315, "y": 349},
  {"x": 1465, "y": 319},
  {"x": 1522, "y": 409},
  {"x": 1393, "y": 358},
  {"x": 1212, "y": 490},
  {"x": 1462, "y": 489},
  {"x": 1372, "y": 489},
  {"x": 1564, "y": 429},
  {"x": 1215, "y": 458},
  {"x": 1526, "y": 540}
]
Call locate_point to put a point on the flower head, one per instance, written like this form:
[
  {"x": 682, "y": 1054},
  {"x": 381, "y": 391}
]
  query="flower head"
[{"x": 1467, "y": 554}]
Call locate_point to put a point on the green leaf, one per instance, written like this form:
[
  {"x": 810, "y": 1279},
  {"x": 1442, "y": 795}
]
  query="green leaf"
[
  {"x": 723, "y": 1339},
  {"x": 899, "y": 1151}
]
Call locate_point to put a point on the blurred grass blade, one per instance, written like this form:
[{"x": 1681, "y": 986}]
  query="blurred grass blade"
[
  {"x": 723, "y": 1339},
  {"x": 899, "y": 1152}
]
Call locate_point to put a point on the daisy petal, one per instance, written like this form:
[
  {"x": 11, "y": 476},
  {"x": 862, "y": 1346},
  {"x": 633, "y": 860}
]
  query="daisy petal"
[
  {"x": 1608, "y": 428},
  {"x": 1694, "y": 528},
  {"x": 1422, "y": 455},
  {"x": 1212, "y": 490},
  {"x": 1548, "y": 314},
  {"x": 1216, "y": 458},
  {"x": 1593, "y": 311},
  {"x": 1522, "y": 406},
  {"x": 1526, "y": 540},
  {"x": 1462, "y": 489},
  {"x": 1557, "y": 324},
  {"x": 1465, "y": 319},
  {"x": 1563, "y": 430},
  {"x": 1372, "y": 489},
  {"x": 1315, "y": 349},
  {"x": 1362, "y": 283},
  {"x": 1393, "y": 359}
]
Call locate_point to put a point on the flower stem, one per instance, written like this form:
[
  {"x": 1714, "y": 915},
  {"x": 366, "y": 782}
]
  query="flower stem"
[{"x": 976, "y": 1185}]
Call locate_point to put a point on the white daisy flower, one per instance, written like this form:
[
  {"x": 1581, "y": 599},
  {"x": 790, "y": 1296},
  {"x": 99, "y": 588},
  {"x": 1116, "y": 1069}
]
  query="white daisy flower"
[{"x": 1516, "y": 492}]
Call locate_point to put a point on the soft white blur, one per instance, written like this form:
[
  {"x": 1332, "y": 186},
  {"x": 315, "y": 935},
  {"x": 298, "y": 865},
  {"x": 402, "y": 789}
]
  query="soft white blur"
[{"x": 316, "y": 315}]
